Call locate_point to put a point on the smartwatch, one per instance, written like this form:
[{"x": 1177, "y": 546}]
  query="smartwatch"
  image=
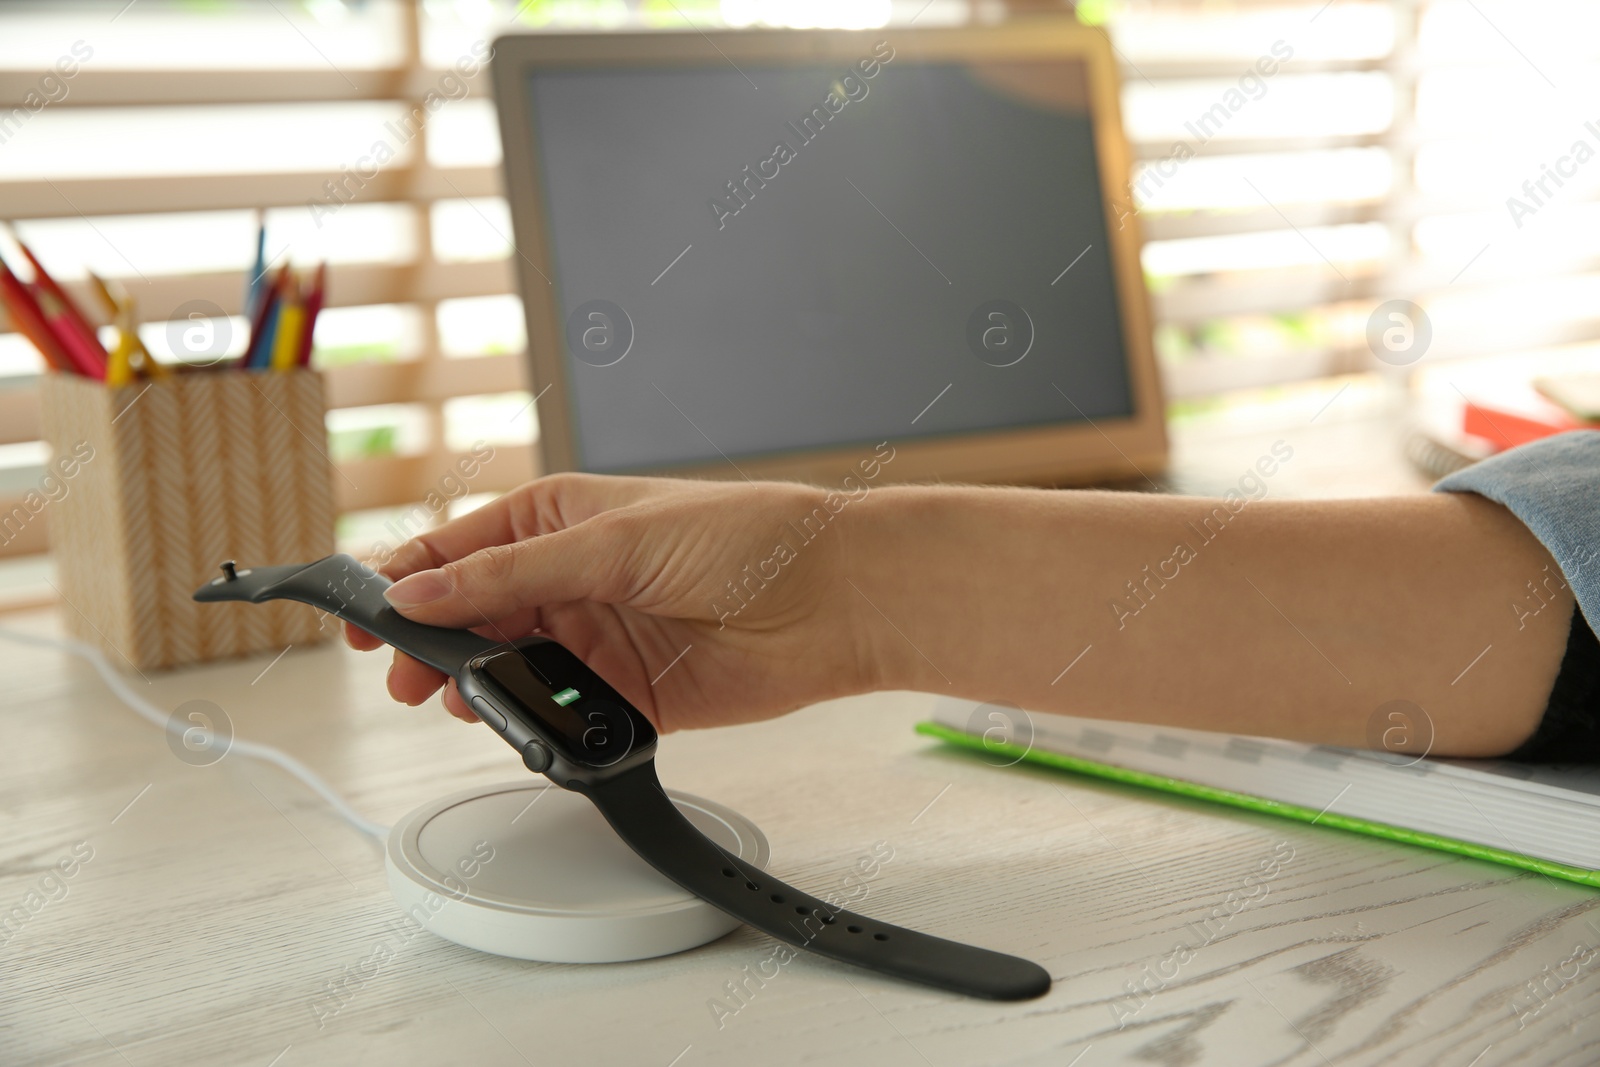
[{"x": 569, "y": 725}]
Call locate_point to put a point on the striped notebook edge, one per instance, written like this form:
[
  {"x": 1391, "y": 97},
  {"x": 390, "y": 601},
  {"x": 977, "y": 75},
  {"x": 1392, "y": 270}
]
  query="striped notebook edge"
[{"x": 1178, "y": 786}]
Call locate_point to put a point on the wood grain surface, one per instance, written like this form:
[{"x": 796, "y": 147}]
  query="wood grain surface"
[
  {"x": 225, "y": 916},
  {"x": 220, "y": 902}
]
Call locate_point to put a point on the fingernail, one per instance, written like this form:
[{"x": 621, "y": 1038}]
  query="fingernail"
[
  {"x": 424, "y": 587},
  {"x": 388, "y": 684}
]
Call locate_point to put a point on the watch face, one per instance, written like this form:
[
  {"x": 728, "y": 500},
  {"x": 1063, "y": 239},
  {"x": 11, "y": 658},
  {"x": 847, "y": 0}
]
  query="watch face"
[{"x": 567, "y": 704}]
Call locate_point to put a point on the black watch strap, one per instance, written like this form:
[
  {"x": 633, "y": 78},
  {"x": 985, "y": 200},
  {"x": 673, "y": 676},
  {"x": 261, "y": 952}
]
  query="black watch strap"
[
  {"x": 638, "y": 809},
  {"x": 342, "y": 585},
  {"x": 635, "y": 805}
]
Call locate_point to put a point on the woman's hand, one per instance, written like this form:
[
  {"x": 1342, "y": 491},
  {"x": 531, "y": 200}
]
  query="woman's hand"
[{"x": 702, "y": 603}]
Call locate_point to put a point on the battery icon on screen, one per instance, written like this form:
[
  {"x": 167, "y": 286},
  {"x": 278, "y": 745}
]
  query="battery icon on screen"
[{"x": 565, "y": 697}]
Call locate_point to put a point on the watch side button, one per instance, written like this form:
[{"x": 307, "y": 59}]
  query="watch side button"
[
  {"x": 536, "y": 756},
  {"x": 489, "y": 714}
]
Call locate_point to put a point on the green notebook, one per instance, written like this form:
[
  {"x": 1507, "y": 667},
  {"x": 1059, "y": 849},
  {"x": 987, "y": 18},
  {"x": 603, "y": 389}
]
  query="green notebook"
[{"x": 1539, "y": 818}]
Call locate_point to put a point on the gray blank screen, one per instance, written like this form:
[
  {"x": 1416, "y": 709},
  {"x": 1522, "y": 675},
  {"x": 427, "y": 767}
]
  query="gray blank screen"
[{"x": 839, "y": 301}]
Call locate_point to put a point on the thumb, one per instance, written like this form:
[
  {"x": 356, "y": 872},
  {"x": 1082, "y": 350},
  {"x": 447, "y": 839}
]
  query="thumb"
[{"x": 588, "y": 561}]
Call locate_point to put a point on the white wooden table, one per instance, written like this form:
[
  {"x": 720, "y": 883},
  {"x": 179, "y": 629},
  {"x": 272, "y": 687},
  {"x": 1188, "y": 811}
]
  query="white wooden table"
[{"x": 219, "y": 904}]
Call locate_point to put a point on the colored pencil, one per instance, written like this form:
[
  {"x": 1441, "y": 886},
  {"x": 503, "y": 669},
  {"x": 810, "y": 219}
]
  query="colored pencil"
[
  {"x": 130, "y": 347},
  {"x": 261, "y": 331},
  {"x": 80, "y": 332},
  {"x": 314, "y": 301},
  {"x": 256, "y": 283},
  {"x": 29, "y": 320},
  {"x": 119, "y": 361},
  {"x": 112, "y": 304},
  {"x": 286, "y": 339},
  {"x": 87, "y": 356}
]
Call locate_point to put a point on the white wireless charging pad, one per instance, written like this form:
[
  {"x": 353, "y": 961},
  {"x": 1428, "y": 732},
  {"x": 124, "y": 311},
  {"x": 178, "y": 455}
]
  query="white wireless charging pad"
[{"x": 532, "y": 871}]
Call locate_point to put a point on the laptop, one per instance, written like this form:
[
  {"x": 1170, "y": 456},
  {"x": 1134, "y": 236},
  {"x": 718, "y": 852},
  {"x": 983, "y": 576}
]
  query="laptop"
[{"x": 785, "y": 254}]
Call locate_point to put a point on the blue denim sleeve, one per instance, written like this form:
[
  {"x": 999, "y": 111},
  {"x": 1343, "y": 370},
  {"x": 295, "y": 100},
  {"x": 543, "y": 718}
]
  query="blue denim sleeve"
[{"x": 1553, "y": 486}]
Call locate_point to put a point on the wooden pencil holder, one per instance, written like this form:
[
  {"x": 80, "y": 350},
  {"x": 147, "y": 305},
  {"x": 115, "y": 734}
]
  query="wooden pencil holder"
[{"x": 171, "y": 477}]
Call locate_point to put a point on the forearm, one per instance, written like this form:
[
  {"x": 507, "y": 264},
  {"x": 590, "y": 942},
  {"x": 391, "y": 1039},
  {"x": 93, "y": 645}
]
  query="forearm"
[{"x": 1295, "y": 619}]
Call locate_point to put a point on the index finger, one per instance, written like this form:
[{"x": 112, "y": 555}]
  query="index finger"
[
  {"x": 359, "y": 639},
  {"x": 541, "y": 506}
]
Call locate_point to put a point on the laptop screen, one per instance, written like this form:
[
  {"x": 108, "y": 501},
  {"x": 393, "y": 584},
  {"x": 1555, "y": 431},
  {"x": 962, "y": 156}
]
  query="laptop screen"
[{"x": 765, "y": 259}]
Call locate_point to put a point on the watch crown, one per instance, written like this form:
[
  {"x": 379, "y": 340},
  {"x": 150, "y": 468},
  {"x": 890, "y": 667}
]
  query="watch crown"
[{"x": 536, "y": 756}]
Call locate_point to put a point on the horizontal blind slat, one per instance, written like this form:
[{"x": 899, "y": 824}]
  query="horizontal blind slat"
[
  {"x": 101, "y": 87},
  {"x": 1145, "y": 150},
  {"x": 72, "y": 197},
  {"x": 395, "y": 481},
  {"x": 1203, "y": 298}
]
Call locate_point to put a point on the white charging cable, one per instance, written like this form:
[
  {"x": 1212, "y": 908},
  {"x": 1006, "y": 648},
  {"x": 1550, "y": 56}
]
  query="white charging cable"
[{"x": 248, "y": 749}]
